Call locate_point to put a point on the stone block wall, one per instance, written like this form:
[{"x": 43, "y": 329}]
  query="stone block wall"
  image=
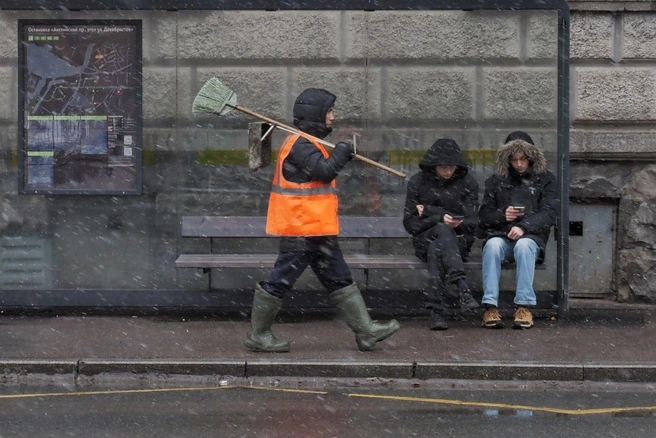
[
  {"x": 613, "y": 130},
  {"x": 403, "y": 78}
]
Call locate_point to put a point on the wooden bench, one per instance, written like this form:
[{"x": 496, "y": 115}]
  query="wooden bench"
[{"x": 244, "y": 228}]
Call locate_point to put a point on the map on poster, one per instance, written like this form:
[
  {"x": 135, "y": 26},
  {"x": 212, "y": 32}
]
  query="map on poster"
[{"x": 81, "y": 107}]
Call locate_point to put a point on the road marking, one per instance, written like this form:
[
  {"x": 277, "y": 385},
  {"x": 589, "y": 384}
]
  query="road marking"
[
  {"x": 147, "y": 391},
  {"x": 505, "y": 406},
  {"x": 108, "y": 392},
  {"x": 299, "y": 391},
  {"x": 442, "y": 401}
]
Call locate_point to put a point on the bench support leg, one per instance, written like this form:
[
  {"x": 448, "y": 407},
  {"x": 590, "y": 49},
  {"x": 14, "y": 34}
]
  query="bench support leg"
[{"x": 209, "y": 277}]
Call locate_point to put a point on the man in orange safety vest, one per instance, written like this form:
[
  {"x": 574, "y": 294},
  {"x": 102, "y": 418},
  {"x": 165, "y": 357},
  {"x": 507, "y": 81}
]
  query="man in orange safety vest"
[{"x": 303, "y": 211}]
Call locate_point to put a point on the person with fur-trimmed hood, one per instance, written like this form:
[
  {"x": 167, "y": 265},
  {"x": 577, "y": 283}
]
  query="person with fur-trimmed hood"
[
  {"x": 440, "y": 214},
  {"x": 519, "y": 208}
]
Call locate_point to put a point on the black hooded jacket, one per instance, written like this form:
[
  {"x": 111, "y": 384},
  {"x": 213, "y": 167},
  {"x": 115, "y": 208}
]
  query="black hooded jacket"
[
  {"x": 535, "y": 190},
  {"x": 457, "y": 195},
  {"x": 305, "y": 161}
]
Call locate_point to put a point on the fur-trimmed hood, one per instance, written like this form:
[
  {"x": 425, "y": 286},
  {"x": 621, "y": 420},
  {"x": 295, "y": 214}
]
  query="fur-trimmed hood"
[{"x": 537, "y": 160}]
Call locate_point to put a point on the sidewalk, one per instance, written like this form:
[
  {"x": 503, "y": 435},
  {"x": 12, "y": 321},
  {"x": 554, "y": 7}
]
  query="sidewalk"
[{"x": 601, "y": 341}]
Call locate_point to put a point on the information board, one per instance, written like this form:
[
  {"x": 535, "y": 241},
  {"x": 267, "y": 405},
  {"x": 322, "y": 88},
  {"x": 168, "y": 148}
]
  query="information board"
[{"x": 80, "y": 114}]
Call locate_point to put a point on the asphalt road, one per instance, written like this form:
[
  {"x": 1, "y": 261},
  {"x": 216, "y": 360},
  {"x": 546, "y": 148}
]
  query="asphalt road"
[{"x": 325, "y": 408}]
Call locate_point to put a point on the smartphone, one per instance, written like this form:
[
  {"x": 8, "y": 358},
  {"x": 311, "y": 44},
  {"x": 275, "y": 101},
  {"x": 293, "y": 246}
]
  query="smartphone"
[
  {"x": 457, "y": 217},
  {"x": 518, "y": 207}
]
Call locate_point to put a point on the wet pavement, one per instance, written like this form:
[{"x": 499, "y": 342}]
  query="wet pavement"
[
  {"x": 600, "y": 341},
  {"x": 189, "y": 408}
]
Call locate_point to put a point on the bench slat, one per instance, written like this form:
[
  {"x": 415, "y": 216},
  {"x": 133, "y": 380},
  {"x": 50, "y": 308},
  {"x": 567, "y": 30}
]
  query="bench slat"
[
  {"x": 223, "y": 226},
  {"x": 355, "y": 261},
  {"x": 254, "y": 226}
]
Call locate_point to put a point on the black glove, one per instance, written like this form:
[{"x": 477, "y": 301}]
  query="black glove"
[{"x": 345, "y": 148}]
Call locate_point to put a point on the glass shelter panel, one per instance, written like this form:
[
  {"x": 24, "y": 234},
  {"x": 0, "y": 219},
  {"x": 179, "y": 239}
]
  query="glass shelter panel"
[
  {"x": 93, "y": 232},
  {"x": 402, "y": 80}
]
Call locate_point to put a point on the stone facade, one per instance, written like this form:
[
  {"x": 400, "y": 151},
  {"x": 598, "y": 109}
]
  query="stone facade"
[
  {"x": 613, "y": 147},
  {"x": 403, "y": 78}
]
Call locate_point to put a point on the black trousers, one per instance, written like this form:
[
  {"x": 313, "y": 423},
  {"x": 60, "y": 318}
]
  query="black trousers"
[
  {"x": 445, "y": 253},
  {"x": 321, "y": 253}
]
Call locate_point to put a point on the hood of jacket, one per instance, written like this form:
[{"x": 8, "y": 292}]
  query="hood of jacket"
[
  {"x": 537, "y": 160},
  {"x": 444, "y": 152},
  {"x": 310, "y": 109}
]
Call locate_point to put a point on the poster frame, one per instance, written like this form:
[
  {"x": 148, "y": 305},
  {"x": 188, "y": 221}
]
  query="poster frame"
[{"x": 137, "y": 189}]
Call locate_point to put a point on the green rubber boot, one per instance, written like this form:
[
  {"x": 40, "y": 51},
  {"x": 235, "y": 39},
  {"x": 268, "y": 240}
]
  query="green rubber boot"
[
  {"x": 264, "y": 312},
  {"x": 353, "y": 311}
]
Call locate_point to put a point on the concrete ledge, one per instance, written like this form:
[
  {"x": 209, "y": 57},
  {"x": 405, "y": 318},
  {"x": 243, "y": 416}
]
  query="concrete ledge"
[
  {"x": 389, "y": 370},
  {"x": 611, "y": 6},
  {"x": 90, "y": 367},
  {"x": 621, "y": 373},
  {"x": 47, "y": 367},
  {"x": 499, "y": 371},
  {"x": 516, "y": 371}
]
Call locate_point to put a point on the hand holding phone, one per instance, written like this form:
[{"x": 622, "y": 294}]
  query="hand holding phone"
[
  {"x": 452, "y": 220},
  {"x": 519, "y": 210},
  {"x": 514, "y": 212}
]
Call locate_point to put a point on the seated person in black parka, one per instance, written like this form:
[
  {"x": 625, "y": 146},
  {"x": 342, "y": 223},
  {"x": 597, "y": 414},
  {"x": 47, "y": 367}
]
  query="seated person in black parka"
[{"x": 441, "y": 214}]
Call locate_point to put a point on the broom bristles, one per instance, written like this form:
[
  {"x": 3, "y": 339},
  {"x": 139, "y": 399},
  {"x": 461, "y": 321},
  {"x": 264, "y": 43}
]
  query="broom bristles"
[{"x": 214, "y": 98}]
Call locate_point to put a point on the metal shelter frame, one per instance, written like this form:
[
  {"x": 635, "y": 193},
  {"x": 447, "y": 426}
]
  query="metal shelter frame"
[{"x": 560, "y": 6}]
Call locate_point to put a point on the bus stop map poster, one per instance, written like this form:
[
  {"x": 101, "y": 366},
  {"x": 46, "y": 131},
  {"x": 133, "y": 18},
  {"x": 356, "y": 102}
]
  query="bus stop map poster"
[{"x": 80, "y": 109}]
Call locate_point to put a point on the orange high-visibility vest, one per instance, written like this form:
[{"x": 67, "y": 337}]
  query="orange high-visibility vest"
[{"x": 301, "y": 209}]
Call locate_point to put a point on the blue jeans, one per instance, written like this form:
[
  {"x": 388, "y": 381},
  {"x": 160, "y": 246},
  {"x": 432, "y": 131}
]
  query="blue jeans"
[{"x": 523, "y": 252}]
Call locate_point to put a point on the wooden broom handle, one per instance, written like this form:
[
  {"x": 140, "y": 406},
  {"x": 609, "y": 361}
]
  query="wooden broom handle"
[{"x": 323, "y": 142}]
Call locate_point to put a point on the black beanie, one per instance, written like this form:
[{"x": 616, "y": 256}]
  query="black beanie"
[{"x": 519, "y": 135}]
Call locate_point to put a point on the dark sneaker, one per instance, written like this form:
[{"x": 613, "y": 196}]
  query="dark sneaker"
[
  {"x": 492, "y": 318},
  {"x": 437, "y": 321},
  {"x": 467, "y": 301},
  {"x": 523, "y": 318}
]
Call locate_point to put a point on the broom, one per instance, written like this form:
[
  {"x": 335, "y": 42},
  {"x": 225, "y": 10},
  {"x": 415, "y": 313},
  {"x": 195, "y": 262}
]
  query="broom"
[{"x": 215, "y": 98}]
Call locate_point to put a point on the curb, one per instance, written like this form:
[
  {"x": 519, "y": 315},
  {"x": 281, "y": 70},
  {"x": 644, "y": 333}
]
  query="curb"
[
  {"x": 515, "y": 371},
  {"x": 333, "y": 369},
  {"x": 92, "y": 367},
  {"x": 500, "y": 371},
  {"x": 47, "y": 367}
]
